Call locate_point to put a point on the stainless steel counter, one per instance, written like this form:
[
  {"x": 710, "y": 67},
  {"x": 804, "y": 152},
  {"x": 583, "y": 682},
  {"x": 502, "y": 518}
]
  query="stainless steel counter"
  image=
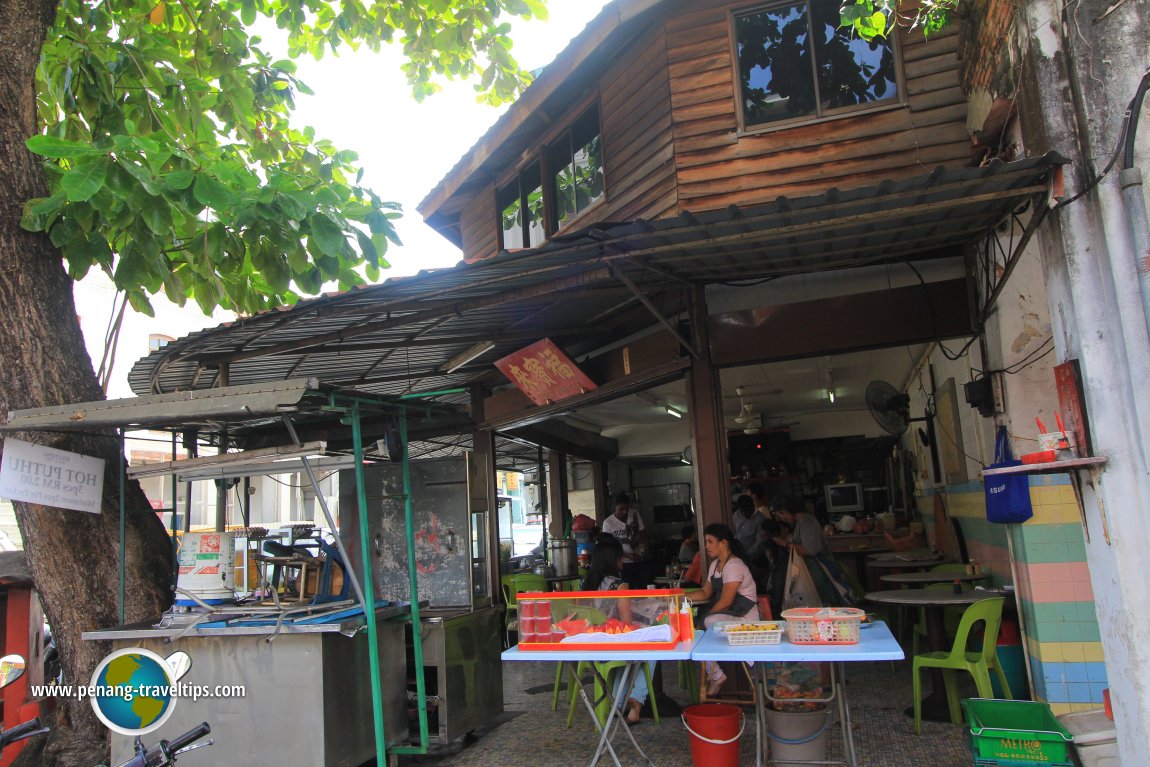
[
  {"x": 307, "y": 694},
  {"x": 462, "y": 670}
]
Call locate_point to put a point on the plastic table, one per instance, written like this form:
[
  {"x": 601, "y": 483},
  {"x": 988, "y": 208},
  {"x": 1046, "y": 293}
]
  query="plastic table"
[
  {"x": 634, "y": 660},
  {"x": 875, "y": 643}
]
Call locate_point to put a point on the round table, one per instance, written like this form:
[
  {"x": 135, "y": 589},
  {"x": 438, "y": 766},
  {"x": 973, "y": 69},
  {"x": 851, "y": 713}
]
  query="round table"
[
  {"x": 934, "y": 705},
  {"x": 904, "y": 561},
  {"x": 929, "y": 577}
]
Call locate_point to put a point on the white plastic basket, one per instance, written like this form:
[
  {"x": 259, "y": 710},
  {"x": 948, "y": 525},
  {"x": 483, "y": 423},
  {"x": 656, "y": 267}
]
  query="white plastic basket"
[{"x": 755, "y": 632}]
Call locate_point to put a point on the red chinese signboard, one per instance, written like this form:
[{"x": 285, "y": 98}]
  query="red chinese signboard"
[{"x": 544, "y": 373}]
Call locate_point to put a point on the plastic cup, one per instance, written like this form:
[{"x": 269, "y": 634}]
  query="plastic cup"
[
  {"x": 530, "y": 608},
  {"x": 557, "y": 635},
  {"x": 543, "y": 609}
]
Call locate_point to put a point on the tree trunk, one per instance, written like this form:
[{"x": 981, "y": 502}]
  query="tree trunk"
[{"x": 74, "y": 556}]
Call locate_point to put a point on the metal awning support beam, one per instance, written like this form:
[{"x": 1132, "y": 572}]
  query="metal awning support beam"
[
  {"x": 231, "y": 461},
  {"x": 623, "y": 278},
  {"x": 357, "y": 463},
  {"x": 1035, "y": 221}
]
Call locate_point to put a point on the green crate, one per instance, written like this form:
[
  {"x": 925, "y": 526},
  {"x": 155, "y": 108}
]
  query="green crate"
[{"x": 1016, "y": 732}]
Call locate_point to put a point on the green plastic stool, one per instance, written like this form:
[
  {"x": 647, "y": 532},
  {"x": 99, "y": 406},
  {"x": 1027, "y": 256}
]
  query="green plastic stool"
[
  {"x": 602, "y": 698},
  {"x": 978, "y": 664}
]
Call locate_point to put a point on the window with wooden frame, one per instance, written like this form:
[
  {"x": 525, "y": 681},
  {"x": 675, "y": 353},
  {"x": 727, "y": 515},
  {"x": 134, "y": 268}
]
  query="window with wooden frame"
[
  {"x": 555, "y": 189},
  {"x": 575, "y": 168},
  {"x": 794, "y": 63},
  {"x": 521, "y": 210}
]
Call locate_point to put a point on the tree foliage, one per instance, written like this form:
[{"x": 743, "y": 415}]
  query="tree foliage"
[
  {"x": 877, "y": 18},
  {"x": 173, "y": 163}
]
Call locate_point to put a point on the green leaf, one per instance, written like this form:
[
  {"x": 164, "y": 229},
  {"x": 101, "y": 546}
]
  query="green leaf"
[
  {"x": 85, "y": 179},
  {"x": 39, "y": 213},
  {"x": 59, "y": 148},
  {"x": 327, "y": 236},
  {"x": 179, "y": 179},
  {"x": 211, "y": 193}
]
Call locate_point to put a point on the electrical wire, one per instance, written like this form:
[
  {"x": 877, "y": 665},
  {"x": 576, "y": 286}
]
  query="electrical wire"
[
  {"x": 1031, "y": 362},
  {"x": 1125, "y": 141}
]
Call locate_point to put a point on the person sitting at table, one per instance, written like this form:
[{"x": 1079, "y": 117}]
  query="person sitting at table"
[
  {"x": 605, "y": 574},
  {"x": 808, "y": 541},
  {"x": 730, "y": 584},
  {"x": 770, "y": 567}
]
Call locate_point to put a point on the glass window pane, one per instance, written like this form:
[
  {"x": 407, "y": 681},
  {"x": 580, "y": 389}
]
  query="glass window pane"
[
  {"x": 775, "y": 74},
  {"x": 531, "y": 180},
  {"x": 560, "y": 160},
  {"x": 851, "y": 70},
  {"x": 511, "y": 216}
]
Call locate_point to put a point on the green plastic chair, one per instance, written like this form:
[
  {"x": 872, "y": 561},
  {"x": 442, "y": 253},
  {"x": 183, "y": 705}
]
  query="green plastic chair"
[
  {"x": 602, "y": 697},
  {"x": 951, "y": 616},
  {"x": 978, "y": 664},
  {"x": 512, "y": 586}
]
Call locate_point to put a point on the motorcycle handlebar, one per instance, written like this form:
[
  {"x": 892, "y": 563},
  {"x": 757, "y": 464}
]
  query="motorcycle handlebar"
[
  {"x": 21, "y": 731},
  {"x": 189, "y": 737}
]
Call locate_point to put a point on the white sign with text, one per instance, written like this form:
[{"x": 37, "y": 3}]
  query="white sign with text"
[{"x": 51, "y": 477}]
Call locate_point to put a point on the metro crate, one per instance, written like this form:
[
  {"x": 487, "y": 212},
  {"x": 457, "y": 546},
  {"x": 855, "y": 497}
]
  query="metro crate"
[{"x": 1016, "y": 733}]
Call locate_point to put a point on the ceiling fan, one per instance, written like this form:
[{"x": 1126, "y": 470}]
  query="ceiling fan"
[{"x": 747, "y": 416}]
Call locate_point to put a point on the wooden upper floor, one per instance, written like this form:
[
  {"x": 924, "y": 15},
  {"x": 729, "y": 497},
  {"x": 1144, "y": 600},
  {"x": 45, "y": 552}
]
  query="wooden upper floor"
[{"x": 665, "y": 107}]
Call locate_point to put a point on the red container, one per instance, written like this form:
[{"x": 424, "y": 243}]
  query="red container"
[
  {"x": 715, "y": 730},
  {"x": 528, "y": 609}
]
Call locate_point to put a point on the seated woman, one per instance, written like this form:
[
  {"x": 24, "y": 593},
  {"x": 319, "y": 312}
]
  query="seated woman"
[
  {"x": 604, "y": 574},
  {"x": 732, "y": 587}
]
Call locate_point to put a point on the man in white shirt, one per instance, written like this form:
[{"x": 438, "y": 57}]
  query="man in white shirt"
[{"x": 627, "y": 527}]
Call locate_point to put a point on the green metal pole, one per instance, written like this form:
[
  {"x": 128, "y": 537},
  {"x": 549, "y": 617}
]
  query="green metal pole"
[
  {"x": 413, "y": 590},
  {"x": 368, "y": 589},
  {"x": 123, "y": 562}
]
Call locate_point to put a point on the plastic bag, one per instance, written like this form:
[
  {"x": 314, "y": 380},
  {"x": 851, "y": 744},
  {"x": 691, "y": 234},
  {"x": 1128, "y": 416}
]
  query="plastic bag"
[
  {"x": 1007, "y": 495},
  {"x": 800, "y": 589}
]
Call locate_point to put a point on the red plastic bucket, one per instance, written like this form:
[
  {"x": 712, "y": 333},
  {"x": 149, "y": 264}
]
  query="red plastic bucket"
[{"x": 715, "y": 730}]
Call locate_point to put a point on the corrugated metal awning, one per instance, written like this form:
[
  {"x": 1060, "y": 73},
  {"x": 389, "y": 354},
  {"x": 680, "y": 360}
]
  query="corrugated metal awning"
[{"x": 397, "y": 337}]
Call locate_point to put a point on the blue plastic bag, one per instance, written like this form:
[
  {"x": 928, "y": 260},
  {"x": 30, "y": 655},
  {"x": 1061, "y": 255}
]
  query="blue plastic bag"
[{"x": 1007, "y": 495}]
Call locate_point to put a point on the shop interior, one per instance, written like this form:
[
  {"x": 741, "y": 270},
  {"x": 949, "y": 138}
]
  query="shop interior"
[{"x": 822, "y": 428}]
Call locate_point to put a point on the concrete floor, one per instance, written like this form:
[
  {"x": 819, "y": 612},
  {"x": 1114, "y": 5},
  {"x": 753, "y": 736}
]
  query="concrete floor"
[{"x": 530, "y": 734}]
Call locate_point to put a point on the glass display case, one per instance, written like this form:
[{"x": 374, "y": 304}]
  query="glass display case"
[{"x": 654, "y": 619}]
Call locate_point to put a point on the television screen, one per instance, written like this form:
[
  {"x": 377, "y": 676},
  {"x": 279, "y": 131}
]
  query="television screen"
[{"x": 844, "y": 497}]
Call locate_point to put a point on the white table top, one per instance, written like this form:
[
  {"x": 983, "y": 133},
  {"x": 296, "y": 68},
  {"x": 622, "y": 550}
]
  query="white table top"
[
  {"x": 875, "y": 643},
  {"x": 681, "y": 652}
]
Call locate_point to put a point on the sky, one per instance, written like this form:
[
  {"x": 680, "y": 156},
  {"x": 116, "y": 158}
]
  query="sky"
[{"x": 362, "y": 102}]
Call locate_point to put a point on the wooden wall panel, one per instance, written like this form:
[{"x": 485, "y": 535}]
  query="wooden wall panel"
[
  {"x": 716, "y": 166},
  {"x": 479, "y": 226},
  {"x": 671, "y": 141}
]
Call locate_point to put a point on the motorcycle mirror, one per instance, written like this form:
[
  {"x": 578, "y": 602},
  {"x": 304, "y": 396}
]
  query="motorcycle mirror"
[
  {"x": 11, "y": 669},
  {"x": 180, "y": 663}
]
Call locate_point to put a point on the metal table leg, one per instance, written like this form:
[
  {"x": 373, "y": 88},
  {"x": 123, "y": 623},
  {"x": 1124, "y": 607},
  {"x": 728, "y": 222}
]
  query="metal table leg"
[{"x": 614, "y": 715}]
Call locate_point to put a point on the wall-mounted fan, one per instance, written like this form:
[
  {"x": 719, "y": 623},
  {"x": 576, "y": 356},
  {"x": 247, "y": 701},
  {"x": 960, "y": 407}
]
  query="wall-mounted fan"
[{"x": 889, "y": 406}]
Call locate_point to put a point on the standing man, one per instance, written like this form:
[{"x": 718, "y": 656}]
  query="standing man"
[
  {"x": 627, "y": 527},
  {"x": 746, "y": 527}
]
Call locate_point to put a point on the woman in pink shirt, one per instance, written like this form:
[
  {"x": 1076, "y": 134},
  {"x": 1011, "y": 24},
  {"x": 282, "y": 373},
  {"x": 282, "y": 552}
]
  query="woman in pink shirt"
[{"x": 732, "y": 587}]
